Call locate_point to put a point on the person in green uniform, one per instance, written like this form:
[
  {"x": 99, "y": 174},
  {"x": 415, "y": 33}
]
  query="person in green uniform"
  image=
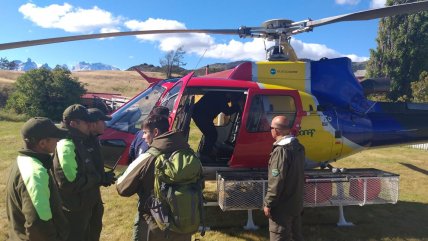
[
  {"x": 76, "y": 174},
  {"x": 97, "y": 126},
  {"x": 33, "y": 204},
  {"x": 283, "y": 203}
]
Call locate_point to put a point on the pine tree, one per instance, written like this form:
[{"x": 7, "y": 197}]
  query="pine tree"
[{"x": 402, "y": 50}]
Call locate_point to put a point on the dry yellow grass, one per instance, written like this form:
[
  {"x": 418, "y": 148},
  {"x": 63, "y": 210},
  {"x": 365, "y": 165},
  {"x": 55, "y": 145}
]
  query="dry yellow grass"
[
  {"x": 8, "y": 76},
  {"x": 127, "y": 83}
]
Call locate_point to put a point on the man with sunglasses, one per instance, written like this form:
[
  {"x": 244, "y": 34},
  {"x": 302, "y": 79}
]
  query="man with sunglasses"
[{"x": 283, "y": 202}]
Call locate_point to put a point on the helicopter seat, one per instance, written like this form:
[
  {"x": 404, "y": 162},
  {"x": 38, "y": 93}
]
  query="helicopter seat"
[{"x": 224, "y": 149}]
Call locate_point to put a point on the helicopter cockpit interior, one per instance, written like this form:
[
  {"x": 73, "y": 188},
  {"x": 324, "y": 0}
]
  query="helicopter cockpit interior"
[{"x": 227, "y": 126}]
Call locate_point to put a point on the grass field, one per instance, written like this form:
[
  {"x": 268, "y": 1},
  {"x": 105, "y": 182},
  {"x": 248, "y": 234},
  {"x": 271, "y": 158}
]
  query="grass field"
[
  {"x": 406, "y": 220},
  {"x": 127, "y": 83}
]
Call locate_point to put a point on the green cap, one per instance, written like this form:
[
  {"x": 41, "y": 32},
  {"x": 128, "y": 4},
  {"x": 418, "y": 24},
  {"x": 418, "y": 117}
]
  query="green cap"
[
  {"x": 76, "y": 112},
  {"x": 40, "y": 128},
  {"x": 96, "y": 115}
]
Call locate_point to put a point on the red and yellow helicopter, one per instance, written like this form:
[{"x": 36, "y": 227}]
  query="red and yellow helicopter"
[{"x": 328, "y": 109}]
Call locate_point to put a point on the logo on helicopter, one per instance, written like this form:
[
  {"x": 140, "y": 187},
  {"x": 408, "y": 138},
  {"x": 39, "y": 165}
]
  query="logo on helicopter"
[
  {"x": 274, "y": 71},
  {"x": 307, "y": 132}
]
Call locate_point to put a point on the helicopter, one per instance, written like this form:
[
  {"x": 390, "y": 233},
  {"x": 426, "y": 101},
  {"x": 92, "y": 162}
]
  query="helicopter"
[{"x": 326, "y": 105}]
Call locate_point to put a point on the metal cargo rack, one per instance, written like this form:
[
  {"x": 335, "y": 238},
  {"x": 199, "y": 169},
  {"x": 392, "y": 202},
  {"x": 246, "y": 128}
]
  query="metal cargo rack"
[
  {"x": 246, "y": 190},
  {"x": 350, "y": 187}
]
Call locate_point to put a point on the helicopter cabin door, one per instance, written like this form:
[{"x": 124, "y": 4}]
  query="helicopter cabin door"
[
  {"x": 181, "y": 113},
  {"x": 255, "y": 140}
]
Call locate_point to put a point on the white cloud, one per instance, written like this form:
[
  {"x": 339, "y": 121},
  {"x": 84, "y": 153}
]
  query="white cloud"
[
  {"x": 69, "y": 18},
  {"x": 356, "y": 58},
  {"x": 235, "y": 50},
  {"x": 377, "y": 3},
  {"x": 109, "y": 30},
  {"x": 75, "y": 19},
  {"x": 317, "y": 51},
  {"x": 154, "y": 24},
  {"x": 197, "y": 43},
  {"x": 347, "y": 2}
]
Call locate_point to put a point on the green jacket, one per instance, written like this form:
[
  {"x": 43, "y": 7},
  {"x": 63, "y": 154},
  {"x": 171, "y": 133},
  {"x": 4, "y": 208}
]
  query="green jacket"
[
  {"x": 75, "y": 172},
  {"x": 285, "y": 179},
  {"x": 32, "y": 201},
  {"x": 140, "y": 175}
]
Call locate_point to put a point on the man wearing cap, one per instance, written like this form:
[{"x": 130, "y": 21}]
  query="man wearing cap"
[
  {"x": 76, "y": 174},
  {"x": 33, "y": 203},
  {"x": 96, "y": 128}
]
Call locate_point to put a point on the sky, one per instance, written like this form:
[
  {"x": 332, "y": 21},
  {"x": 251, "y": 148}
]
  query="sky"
[{"x": 37, "y": 19}]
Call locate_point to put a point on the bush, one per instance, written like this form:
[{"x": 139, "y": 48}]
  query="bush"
[
  {"x": 5, "y": 92},
  {"x": 420, "y": 88},
  {"x": 43, "y": 92}
]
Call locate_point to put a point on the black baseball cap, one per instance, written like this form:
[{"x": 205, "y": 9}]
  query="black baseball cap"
[
  {"x": 76, "y": 112},
  {"x": 40, "y": 128},
  {"x": 96, "y": 114}
]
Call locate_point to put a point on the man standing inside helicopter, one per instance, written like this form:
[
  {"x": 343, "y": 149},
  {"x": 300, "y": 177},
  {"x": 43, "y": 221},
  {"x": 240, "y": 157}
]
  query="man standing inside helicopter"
[
  {"x": 283, "y": 202},
  {"x": 204, "y": 112}
]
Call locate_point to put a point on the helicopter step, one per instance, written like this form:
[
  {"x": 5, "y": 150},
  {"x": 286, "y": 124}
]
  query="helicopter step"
[{"x": 245, "y": 190}]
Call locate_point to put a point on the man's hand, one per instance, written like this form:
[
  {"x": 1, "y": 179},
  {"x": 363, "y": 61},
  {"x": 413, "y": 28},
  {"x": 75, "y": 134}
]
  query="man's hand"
[
  {"x": 267, "y": 212},
  {"x": 109, "y": 179}
]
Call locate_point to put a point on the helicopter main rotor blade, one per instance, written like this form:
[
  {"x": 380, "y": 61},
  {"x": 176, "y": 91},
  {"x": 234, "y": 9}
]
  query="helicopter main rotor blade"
[
  {"x": 28, "y": 43},
  {"x": 407, "y": 8}
]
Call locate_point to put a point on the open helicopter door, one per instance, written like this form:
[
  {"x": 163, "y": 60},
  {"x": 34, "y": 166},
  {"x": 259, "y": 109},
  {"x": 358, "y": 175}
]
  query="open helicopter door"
[
  {"x": 180, "y": 113},
  {"x": 255, "y": 141}
]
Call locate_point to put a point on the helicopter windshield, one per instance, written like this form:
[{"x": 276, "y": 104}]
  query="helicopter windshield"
[{"x": 131, "y": 115}]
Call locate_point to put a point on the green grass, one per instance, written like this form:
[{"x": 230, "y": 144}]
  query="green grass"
[
  {"x": 406, "y": 220},
  {"x": 7, "y": 115}
]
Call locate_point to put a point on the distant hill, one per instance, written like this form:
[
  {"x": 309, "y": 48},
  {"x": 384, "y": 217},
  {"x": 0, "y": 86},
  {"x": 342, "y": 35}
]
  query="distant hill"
[
  {"x": 146, "y": 68},
  {"x": 359, "y": 65},
  {"x": 152, "y": 68}
]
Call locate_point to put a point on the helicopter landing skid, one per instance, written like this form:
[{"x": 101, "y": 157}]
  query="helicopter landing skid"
[{"x": 342, "y": 221}]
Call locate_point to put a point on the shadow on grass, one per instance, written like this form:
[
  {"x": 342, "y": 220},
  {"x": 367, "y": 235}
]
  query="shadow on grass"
[
  {"x": 414, "y": 168},
  {"x": 402, "y": 221}
]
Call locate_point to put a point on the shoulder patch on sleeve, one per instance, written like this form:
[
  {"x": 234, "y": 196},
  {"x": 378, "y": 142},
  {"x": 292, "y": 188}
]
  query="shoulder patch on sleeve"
[{"x": 275, "y": 172}]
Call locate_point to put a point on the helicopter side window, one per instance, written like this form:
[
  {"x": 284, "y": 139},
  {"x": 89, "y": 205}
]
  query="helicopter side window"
[
  {"x": 265, "y": 107},
  {"x": 130, "y": 116},
  {"x": 170, "y": 98}
]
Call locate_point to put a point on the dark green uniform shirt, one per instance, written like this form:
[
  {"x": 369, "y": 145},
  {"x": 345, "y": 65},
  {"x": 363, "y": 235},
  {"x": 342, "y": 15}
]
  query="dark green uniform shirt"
[
  {"x": 32, "y": 201},
  {"x": 75, "y": 172},
  {"x": 285, "y": 179}
]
